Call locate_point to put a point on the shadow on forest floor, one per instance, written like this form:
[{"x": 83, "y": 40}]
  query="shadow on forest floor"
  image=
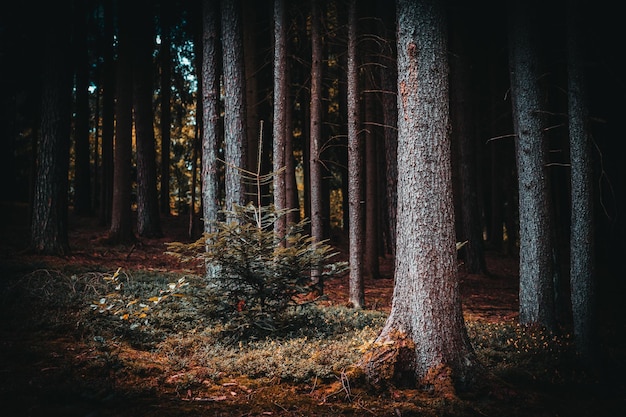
[{"x": 59, "y": 357}]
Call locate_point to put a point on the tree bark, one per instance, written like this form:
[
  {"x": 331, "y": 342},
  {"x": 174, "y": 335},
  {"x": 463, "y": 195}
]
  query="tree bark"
[
  {"x": 49, "y": 221},
  {"x": 536, "y": 294},
  {"x": 235, "y": 136},
  {"x": 355, "y": 168},
  {"x": 424, "y": 340},
  {"x": 210, "y": 118},
  {"x": 82, "y": 162},
  {"x": 279, "y": 131},
  {"x": 165, "y": 58},
  {"x": 315, "y": 166},
  {"x": 582, "y": 271},
  {"x": 108, "y": 117},
  {"x": 121, "y": 230},
  {"x": 148, "y": 220}
]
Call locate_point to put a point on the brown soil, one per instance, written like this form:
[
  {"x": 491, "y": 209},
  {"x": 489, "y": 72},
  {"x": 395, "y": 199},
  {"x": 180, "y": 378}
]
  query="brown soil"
[{"x": 55, "y": 372}]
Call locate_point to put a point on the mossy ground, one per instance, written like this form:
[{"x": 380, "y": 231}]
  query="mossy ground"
[{"x": 59, "y": 357}]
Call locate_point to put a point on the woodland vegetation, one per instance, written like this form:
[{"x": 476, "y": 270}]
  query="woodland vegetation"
[{"x": 312, "y": 207}]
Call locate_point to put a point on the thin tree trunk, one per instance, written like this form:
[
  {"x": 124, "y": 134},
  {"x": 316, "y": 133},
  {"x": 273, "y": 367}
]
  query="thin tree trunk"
[
  {"x": 279, "y": 131},
  {"x": 108, "y": 117},
  {"x": 82, "y": 163},
  {"x": 166, "y": 108},
  {"x": 355, "y": 162},
  {"x": 315, "y": 166}
]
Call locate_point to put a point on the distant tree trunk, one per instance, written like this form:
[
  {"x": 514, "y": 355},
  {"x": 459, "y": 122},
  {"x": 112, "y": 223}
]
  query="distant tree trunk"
[
  {"x": 108, "y": 116},
  {"x": 388, "y": 78},
  {"x": 536, "y": 295},
  {"x": 166, "y": 107},
  {"x": 235, "y": 136},
  {"x": 291, "y": 187},
  {"x": 315, "y": 166},
  {"x": 250, "y": 48},
  {"x": 148, "y": 219},
  {"x": 121, "y": 230},
  {"x": 82, "y": 162},
  {"x": 355, "y": 163},
  {"x": 210, "y": 118},
  {"x": 463, "y": 115},
  {"x": 49, "y": 221},
  {"x": 372, "y": 238},
  {"x": 582, "y": 271},
  {"x": 424, "y": 339},
  {"x": 279, "y": 131}
]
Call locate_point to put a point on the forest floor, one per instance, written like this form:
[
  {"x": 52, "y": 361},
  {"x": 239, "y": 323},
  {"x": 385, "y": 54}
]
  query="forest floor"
[{"x": 57, "y": 357}]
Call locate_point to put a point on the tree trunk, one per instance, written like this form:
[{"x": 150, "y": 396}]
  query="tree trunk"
[
  {"x": 536, "y": 292},
  {"x": 372, "y": 264},
  {"x": 166, "y": 107},
  {"x": 210, "y": 118},
  {"x": 148, "y": 220},
  {"x": 235, "y": 137},
  {"x": 210, "y": 112},
  {"x": 315, "y": 167},
  {"x": 355, "y": 164},
  {"x": 463, "y": 131},
  {"x": 279, "y": 132},
  {"x": 424, "y": 340},
  {"x": 582, "y": 274},
  {"x": 108, "y": 117},
  {"x": 82, "y": 163},
  {"x": 121, "y": 230},
  {"x": 49, "y": 221}
]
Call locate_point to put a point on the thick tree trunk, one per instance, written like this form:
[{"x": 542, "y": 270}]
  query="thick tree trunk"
[
  {"x": 424, "y": 340},
  {"x": 235, "y": 136},
  {"x": 355, "y": 163},
  {"x": 582, "y": 276},
  {"x": 536, "y": 294},
  {"x": 49, "y": 221}
]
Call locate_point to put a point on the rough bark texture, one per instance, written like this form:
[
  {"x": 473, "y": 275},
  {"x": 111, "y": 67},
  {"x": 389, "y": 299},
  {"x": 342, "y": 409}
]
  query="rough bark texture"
[
  {"x": 49, "y": 222},
  {"x": 148, "y": 219},
  {"x": 280, "y": 99},
  {"x": 355, "y": 161},
  {"x": 424, "y": 339},
  {"x": 210, "y": 114},
  {"x": 235, "y": 137},
  {"x": 315, "y": 166},
  {"x": 582, "y": 276},
  {"x": 536, "y": 270},
  {"x": 121, "y": 230}
]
